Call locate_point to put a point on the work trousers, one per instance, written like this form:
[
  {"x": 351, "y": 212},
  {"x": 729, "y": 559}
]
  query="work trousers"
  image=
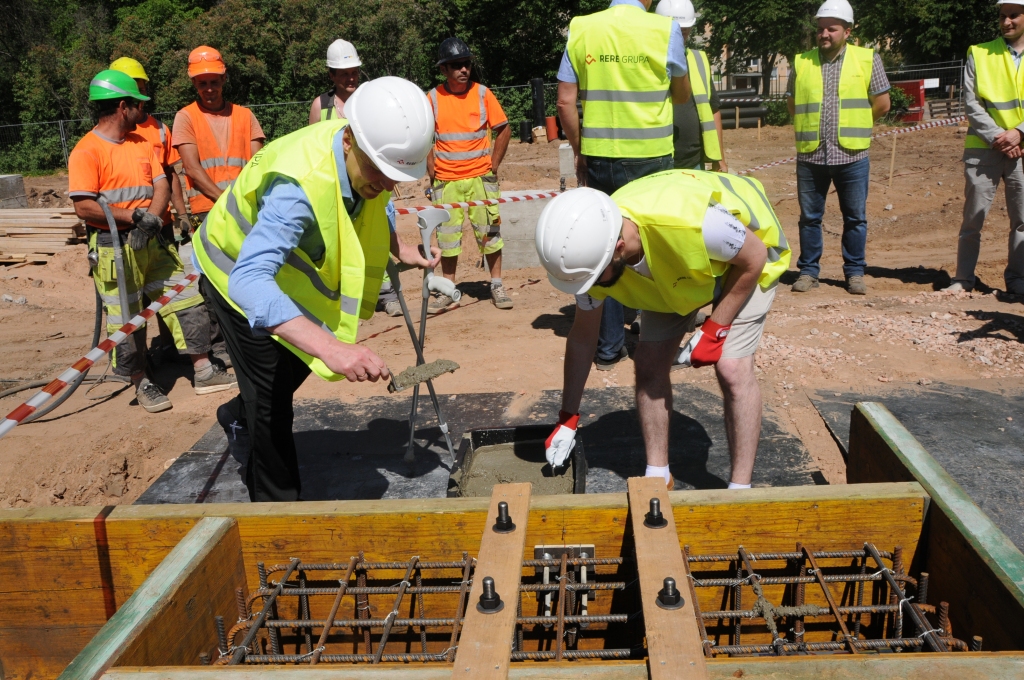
[
  {"x": 983, "y": 170},
  {"x": 268, "y": 374},
  {"x": 485, "y": 219},
  {"x": 851, "y": 182},
  {"x": 149, "y": 274},
  {"x": 217, "y": 343},
  {"x": 609, "y": 175}
]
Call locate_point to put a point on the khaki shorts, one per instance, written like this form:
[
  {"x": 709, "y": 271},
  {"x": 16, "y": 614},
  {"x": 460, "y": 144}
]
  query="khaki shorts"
[{"x": 743, "y": 338}]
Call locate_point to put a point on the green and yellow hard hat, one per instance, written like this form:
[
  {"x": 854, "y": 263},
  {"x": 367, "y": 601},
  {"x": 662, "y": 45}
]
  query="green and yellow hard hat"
[{"x": 111, "y": 84}]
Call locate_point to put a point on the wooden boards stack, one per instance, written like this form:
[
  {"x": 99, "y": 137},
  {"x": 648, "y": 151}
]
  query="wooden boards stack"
[{"x": 28, "y": 233}]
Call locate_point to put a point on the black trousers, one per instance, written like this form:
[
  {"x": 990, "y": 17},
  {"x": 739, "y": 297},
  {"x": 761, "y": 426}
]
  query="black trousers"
[{"x": 268, "y": 375}]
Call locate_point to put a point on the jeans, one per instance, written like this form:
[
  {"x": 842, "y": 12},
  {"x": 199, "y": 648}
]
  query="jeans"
[
  {"x": 813, "y": 182},
  {"x": 609, "y": 175}
]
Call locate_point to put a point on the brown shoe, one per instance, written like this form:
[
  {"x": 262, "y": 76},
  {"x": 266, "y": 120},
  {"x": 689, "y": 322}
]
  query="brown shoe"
[
  {"x": 855, "y": 285},
  {"x": 804, "y": 283},
  {"x": 441, "y": 303}
]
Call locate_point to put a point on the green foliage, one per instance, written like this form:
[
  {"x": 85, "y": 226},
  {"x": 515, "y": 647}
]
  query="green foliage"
[
  {"x": 920, "y": 31},
  {"x": 899, "y": 103},
  {"x": 778, "y": 113}
]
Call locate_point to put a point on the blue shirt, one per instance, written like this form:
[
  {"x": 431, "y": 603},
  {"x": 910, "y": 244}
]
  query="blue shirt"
[
  {"x": 676, "y": 50},
  {"x": 284, "y": 222}
]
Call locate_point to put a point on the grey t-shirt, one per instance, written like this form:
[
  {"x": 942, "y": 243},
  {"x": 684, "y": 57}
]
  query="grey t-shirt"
[{"x": 686, "y": 137}]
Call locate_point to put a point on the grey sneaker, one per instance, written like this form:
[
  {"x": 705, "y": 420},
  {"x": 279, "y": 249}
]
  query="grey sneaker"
[
  {"x": 218, "y": 381},
  {"x": 804, "y": 283},
  {"x": 151, "y": 397},
  {"x": 500, "y": 297},
  {"x": 441, "y": 303},
  {"x": 855, "y": 285},
  {"x": 393, "y": 308},
  {"x": 222, "y": 357},
  {"x": 958, "y": 287},
  {"x": 609, "y": 364}
]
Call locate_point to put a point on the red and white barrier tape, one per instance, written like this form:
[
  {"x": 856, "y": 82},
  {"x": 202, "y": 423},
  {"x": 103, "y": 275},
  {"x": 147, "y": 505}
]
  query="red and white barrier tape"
[
  {"x": 473, "y": 204},
  {"x": 901, "y": 131},
  {"x": 40, "y": 398}
]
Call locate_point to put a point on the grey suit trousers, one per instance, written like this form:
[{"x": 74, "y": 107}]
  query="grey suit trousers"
[{"x": 983, "y": 170}]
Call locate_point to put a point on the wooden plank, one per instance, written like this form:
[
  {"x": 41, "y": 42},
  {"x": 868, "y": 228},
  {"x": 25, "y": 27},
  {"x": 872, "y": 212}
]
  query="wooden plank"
[
  {"x": 158, "y": 607},
  {"x": 674, "y": 645},
  {"x": 485, "y": 645},
  {"x": 972, "y": 563}
]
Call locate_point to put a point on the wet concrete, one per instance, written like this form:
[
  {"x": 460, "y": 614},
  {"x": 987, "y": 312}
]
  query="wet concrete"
[
  {"x": 356, "y": 450},
  {"x": 422, "y": 373},
  {"x": 966, "y": 430},
  {"x": 513, "y": 462}
]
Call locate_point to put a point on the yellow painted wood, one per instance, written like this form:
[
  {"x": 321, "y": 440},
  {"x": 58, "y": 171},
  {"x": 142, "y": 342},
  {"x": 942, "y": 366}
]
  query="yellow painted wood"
[{"x": 485, "y": 644}]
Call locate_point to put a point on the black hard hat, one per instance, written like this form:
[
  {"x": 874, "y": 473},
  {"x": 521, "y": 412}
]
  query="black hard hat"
[{"x": 452, "y": 49}]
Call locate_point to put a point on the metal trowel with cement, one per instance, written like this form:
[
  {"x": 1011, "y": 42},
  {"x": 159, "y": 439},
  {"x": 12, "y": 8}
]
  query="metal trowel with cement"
[{"x": 414, "y": 375}]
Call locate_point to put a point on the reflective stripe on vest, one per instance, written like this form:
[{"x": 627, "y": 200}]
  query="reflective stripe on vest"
[
  {"x": 330, "y": 292},
  {"x": 221, "y": 165},
  {"x": 697, "y": 62},
  {"x": 999, "y": 86},
  {"x": 462, "y": 136},
  {"x": 669, "y": 209},
  {"x": 855, "y": 119},
  {"x": 126, "y": 194},
  {"x": 620, "y": 56}
]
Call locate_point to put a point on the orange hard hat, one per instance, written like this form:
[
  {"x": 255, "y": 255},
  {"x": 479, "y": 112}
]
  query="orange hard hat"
[{"x": 205, "y": 59}]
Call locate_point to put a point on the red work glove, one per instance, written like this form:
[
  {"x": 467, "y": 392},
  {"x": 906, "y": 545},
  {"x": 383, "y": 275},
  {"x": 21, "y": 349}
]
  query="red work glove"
[
  {"x": 561, "y": 442},
  {"x": 705, "y": 347}
]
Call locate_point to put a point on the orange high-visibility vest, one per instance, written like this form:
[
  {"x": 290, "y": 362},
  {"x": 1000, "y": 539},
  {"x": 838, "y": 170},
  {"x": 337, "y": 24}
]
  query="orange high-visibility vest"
[{"x": 223, "y": 166}]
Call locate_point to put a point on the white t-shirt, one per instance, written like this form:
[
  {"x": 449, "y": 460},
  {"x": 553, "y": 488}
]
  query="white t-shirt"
[{"x": 723, "y": 237}]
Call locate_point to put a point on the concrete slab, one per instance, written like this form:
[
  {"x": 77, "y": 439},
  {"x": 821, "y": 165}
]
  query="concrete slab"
[
  {"x": 965, "y": 429},
  {"x": 349, "y": 451},
  {"x": 12, "y": 192},
  {"x": 518, "y": 223}
]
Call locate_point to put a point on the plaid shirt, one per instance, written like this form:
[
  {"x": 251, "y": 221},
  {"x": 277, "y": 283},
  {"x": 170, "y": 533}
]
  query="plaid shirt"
[{"x": 829, "y": 152}]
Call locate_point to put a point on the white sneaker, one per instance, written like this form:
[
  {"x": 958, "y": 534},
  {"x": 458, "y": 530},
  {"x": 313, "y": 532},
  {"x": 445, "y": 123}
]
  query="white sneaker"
[{"x": 958, "y": 287}]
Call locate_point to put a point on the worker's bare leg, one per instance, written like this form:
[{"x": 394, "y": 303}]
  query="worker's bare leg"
[
  {"x": 653, "y": 361},
  {"x": 494, "y": 264},
  {"x": 741, "y": 394},
  {"x": 448, "y": 267}
]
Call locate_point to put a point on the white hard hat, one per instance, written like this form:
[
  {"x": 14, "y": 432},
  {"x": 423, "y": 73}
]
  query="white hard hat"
[
  {"x": 1009, "y": 2},
  {"x": 342, "y": 54},
  {"x": 393, "y": 124},
  {"x": 576, "y": 237},
  {"x": 681, "y": 11},
  {"x": 837, "y": 9}
]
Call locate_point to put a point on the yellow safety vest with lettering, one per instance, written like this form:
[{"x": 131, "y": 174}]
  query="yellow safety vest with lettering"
[
  {"x": 668, "y": 208},
  {"x": 700, "y": 82},
  {"x": 998, "y": 84},
  {"x": 620, "y": 56},
  {"x": 855, "y": 119},
  {"x": 341, "y": 285}
]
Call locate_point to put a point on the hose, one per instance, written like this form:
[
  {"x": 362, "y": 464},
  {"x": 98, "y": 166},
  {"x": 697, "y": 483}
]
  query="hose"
[{"x": 97, "y": 328}]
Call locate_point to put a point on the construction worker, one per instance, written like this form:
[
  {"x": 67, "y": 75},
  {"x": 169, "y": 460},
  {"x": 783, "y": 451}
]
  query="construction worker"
[
  {"x": 697, "y": 136},
  {"x": 836, "y": 92},
  {"x": 668, "y": 244},
  {"x": 298, "y": 246},
  {"x": 463, "y": 166},
  {"x": 123, "y": 168},
  {"x": 343, "y": 68},
  {"x": 628, "y": 67},
  {"x": 992, "y": 92},
  {"x": 215, "y": 138}
]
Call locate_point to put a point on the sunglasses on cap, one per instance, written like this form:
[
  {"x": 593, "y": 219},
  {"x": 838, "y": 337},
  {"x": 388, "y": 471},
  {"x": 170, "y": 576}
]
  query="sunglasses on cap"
[{"x": 459, "y": 65}]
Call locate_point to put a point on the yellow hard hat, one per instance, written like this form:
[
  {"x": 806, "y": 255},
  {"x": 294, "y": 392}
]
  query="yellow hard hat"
[{"x": 130, "y": 67}]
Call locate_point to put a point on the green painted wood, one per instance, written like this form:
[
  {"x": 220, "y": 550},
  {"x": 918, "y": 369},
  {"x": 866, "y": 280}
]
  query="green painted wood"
[
  {"x": 130, "y": 620},
  {"x": 980, "y": 666},
  {"x": 991, "y": 544}
]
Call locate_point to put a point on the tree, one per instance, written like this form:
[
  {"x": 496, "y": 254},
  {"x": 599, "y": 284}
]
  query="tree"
[
  {"x": 756, "y": 29},
  {"x": 919, "y": 31}
]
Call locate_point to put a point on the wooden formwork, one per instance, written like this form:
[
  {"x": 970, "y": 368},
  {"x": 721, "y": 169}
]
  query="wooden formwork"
[{"x": 132, "y": 591}]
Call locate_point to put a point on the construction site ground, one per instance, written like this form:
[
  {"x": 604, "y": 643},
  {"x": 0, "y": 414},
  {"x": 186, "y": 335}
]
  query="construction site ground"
[{"x": 902, "y": 334}]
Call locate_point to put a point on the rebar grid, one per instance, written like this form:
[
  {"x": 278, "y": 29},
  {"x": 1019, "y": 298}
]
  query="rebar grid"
[
  {"x": 305, "y": 581},
  {"x": 846, "y": 610}
]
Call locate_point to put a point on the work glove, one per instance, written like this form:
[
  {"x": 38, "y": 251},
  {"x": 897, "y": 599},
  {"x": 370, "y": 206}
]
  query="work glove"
[
  {"x": 561, "y": 442},
  {"x": 147, "y": 225},
  {"x": 704, "y": 348}
]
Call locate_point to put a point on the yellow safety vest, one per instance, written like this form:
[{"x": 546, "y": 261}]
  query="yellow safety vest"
[
  {"x": 998, "y": 85},
  {"x": 340, "y": 287},
  {"x": 669, "y": 208},
  {"x": 855, "y": 119},
  {"x": 697, "y": 63},
  {"x": 621, "y": 59}
]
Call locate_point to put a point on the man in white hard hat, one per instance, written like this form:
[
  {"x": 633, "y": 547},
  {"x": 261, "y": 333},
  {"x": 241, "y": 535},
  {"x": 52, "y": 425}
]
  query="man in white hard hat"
[
  {"x": 992, "y": 99},
  {"x": 296, "y": 247},
  {"x": 836, "y": 92},
  {"x": 668, "y": 244},
  {"x": 698, "y": 123},
  {"x": 628, "y": 67},
  {"x": 343, "y": 68}
]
